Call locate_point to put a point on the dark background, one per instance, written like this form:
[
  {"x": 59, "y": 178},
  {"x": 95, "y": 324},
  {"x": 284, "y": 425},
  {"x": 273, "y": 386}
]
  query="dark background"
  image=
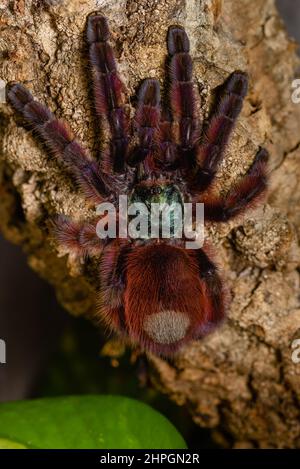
[{"x": 40, "y": 336}]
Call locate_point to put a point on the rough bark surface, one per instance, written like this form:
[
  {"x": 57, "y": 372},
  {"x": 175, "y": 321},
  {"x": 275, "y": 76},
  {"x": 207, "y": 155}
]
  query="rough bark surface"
[{"x": 241, "y": 381}]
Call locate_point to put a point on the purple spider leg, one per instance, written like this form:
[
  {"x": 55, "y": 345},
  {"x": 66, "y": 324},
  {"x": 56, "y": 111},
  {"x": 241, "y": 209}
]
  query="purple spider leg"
[
  {"x": 168, "y": 151},
  {"x": 218, "y": 130},
  {"x": 112, "y": 285},
  {"x": 107, "y": 88},
  {"x": 60, "y": 140},
  {"x": 182, "y": 98},
  {"x": 214, "y": 295},
  {"x": 79, "y": 238},
  {"x": 246, "y": 193},
  {"x": 146, "y": 121}
]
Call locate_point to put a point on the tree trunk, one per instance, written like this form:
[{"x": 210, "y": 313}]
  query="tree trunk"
[{"x": 240, "y": 381}]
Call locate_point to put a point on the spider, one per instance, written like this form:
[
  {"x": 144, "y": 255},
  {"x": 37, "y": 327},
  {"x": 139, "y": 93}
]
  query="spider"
[{"x": 154, "y": 293}]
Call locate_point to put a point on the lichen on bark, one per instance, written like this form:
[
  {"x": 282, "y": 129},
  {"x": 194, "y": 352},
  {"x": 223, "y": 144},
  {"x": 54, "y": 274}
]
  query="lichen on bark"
[{"x": 240, "y": 381}]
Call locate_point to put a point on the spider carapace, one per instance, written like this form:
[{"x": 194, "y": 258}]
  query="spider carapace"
[{"x": 153, "y": 292}]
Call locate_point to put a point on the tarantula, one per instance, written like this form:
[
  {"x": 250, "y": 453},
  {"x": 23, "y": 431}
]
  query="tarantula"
[{"x": 153, "y": 292}]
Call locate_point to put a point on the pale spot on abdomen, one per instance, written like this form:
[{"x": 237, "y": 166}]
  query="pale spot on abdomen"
[{"x": 166, "y": 327}]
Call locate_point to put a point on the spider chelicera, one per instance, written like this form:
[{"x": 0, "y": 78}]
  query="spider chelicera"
[{"x": 153, "y": 292}]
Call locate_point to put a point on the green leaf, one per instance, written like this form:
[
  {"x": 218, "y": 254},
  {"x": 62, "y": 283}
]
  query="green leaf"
[
  {"x": 8, "y": 444},
  {"x": 86, "y": 422}
]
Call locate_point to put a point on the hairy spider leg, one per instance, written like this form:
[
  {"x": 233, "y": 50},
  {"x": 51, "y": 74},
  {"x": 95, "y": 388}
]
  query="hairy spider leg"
[
  {"x": 246, "y": 193},
  {"x": 146, "y": 122},
  {"x": 108, "y": 91},
  {"x": 217, "y": 132},
  {"x": 77, "y": 237},
  {"x": 61, "y": 141},
  {"x": 166, "y": 157},
  {"x": 112, "y": 286},
  {"x": 182, "y": 97},
  {"x": 214, "y": 296}
]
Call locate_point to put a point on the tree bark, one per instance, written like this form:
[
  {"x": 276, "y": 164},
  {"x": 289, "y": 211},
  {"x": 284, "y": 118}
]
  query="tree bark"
[{"x": 240, "y": 381}]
